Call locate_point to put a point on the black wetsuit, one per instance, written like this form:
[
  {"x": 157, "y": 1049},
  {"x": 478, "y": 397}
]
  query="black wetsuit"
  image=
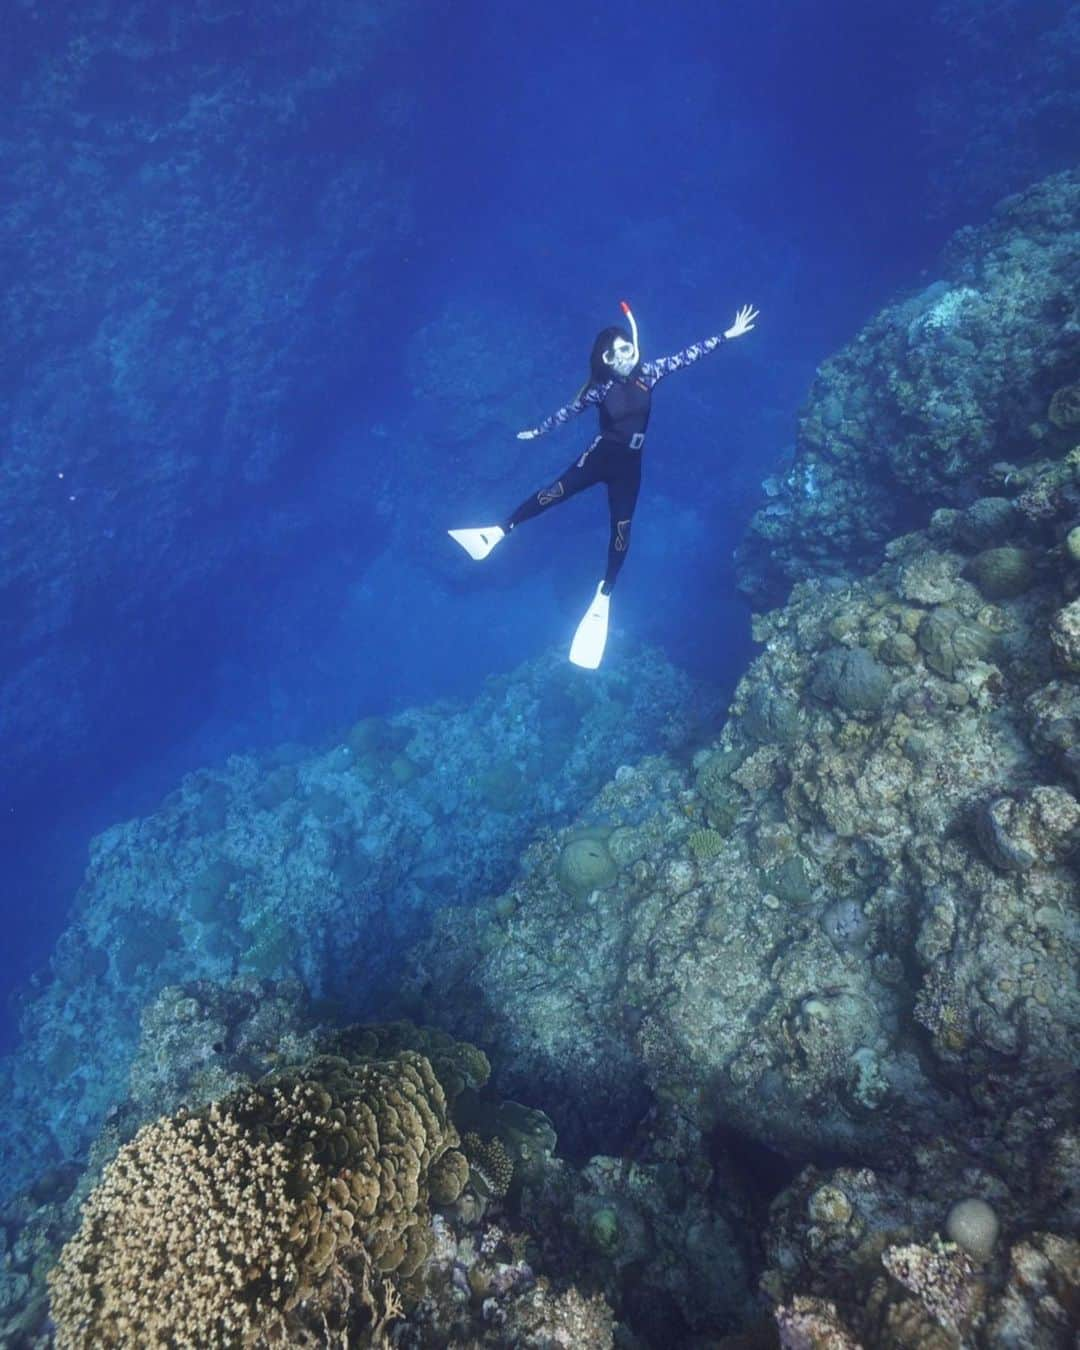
[{"x": 614, "y": 457}]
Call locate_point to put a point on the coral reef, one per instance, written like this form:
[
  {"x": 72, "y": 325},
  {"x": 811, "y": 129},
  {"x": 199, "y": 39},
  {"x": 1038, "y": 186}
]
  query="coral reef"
[
  {"x": 846, "y": 928},
  {"x": 765, "y": 1036},
  {"x": 325, "y": 1203},
  {"x": 263, "y": 1217},
  {"x": 881, "y": 946},
  {"x": 300, "y": 864},
  {"x": 933, "y": 403},
  {"x": 870, "y": 1259}
]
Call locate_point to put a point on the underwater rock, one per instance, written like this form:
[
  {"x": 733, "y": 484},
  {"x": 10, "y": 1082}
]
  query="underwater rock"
[
  {"x": 899, "y": 649},
  {"x": 845, "y": 925},
  {"x": 1002, "y": 573},
  {"x": 930, "y": 577},
  {"x": 791, "y": 881},
  {"x": 1064, "y": 410},
  {"x": 809, "y": 1321},
  {"x": 1054, "y": 713},
  {"x": 935, "y": 390},
  {"x": 869, "y": 1247},
  {"x": 312, "y": 869},
  {"x": 1065, "y": 636},
  {"x": 1040, "y": 826},
  {"x": 771, "y": 716},
  {"x": 202, "y": 1040},
  {"x": 878, "y": 945},
  {"x": 585, "y": 865},
  {"x": 988, "y": 522},
  {"x": 852, "y": 680},
  {"x": 948, "y": 641}
]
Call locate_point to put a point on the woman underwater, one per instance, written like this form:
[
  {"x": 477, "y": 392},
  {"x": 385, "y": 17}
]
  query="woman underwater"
[{"x": 620, "y": 384}]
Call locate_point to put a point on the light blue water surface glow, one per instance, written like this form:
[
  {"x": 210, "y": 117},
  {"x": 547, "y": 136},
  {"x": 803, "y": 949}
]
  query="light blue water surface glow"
[{"x": 284, "y": 280}]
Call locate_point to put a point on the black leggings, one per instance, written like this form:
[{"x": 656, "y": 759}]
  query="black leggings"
[{"x": 607, "y": 462}]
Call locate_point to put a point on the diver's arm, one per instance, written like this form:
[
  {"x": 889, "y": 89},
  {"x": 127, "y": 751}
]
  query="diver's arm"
[
  {"x": 664, "y": 365},
  {"x": 588, "y": 399}
]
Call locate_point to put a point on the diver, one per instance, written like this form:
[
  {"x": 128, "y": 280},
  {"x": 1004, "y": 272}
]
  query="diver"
[{"x": 620, "y": 385}]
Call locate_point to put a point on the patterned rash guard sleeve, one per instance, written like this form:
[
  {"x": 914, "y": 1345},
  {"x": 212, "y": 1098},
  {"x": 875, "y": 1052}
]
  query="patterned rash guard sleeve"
[
  {"x": 664, "y": 365},
  {"x": 593, "y": 395}
]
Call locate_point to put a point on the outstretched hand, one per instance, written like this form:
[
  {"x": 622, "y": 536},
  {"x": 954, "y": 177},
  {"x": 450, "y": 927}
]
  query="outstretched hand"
[
  {"x": 744, "y": 321},
  {"x": 527, "y": 435}
]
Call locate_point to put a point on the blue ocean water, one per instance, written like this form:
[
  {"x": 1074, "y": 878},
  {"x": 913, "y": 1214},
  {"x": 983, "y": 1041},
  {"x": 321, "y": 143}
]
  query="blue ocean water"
[{"x": 284, "y": 280}]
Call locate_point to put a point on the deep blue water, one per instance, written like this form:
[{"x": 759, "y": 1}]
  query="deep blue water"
[{"x": 521, "y": 169}]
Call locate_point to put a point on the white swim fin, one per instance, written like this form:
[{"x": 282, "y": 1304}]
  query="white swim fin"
[
  {"x": 587, "y": 648},
  {"x": 478, "y": 543}
]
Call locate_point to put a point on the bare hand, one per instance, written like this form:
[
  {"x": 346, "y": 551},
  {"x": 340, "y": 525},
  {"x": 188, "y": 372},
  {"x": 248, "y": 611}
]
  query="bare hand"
[
  {"x": 527, "y": 435},
  {"x": 744, "y": 321}
]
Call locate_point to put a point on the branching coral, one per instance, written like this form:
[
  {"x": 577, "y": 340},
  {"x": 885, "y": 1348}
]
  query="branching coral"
[{"x": 264, "y": 1216}]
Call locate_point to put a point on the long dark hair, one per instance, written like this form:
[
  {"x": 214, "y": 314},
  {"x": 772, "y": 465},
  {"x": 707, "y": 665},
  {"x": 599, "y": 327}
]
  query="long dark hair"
[{"x": 598, "y": 372}]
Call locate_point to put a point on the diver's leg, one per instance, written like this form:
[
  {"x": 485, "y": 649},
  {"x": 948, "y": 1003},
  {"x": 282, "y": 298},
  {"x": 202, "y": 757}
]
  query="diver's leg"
[
  {"x": 623, "y": 486},
  {"x": 622, "y": 474},
  {"x": 583, "y": 473},
  {"x": 574, "y": 479}
]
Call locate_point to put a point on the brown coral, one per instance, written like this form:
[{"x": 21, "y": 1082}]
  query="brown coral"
[
  {"x": 448, "y": 1178},
  {"x": 260, "y": 1214},
  {"x": 140, "y": 1268}
]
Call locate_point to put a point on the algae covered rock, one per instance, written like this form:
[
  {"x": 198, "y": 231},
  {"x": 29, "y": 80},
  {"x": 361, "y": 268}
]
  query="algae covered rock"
[
  {"x": 845, "y": 925},
  {"x": 888, "y": 919},
  {"x": 899, "y": 649},
  {"x": 1042, "y": 826},
  {"x": 790, "y": 881},
  {"x": 835, "y": 1232},
  {"x": 1064, "y": 410},
  {"x": 305, "y": 847},
  {"x": 1065, "y": 636},
  {"x": 586, "y": 865},
  {"x": 1002, "y": 573},
  {"x": 376, "y": 736},
  {"x": 930, "y": 577},
  {"x": 724, "y": 799},
  {"x": 209, "y": 898},
  {"x": 948, "y": 641},
  {"x": 626, "y": 845},
  {"x": 771, "y": 716},
  {"x": 853, "y": 680},
  {"x": 986, "y": 522},
  {"x": 714, "y": 769}
]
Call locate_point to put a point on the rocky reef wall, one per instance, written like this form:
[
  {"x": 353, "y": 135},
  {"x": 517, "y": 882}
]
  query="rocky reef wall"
[
  {"x": 318, "y": 864},
  {"x": 935, "y": 402}
]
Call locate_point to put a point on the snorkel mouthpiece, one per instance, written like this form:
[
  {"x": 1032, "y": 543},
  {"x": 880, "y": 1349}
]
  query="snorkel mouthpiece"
[{"x": 624, "y": 305}]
